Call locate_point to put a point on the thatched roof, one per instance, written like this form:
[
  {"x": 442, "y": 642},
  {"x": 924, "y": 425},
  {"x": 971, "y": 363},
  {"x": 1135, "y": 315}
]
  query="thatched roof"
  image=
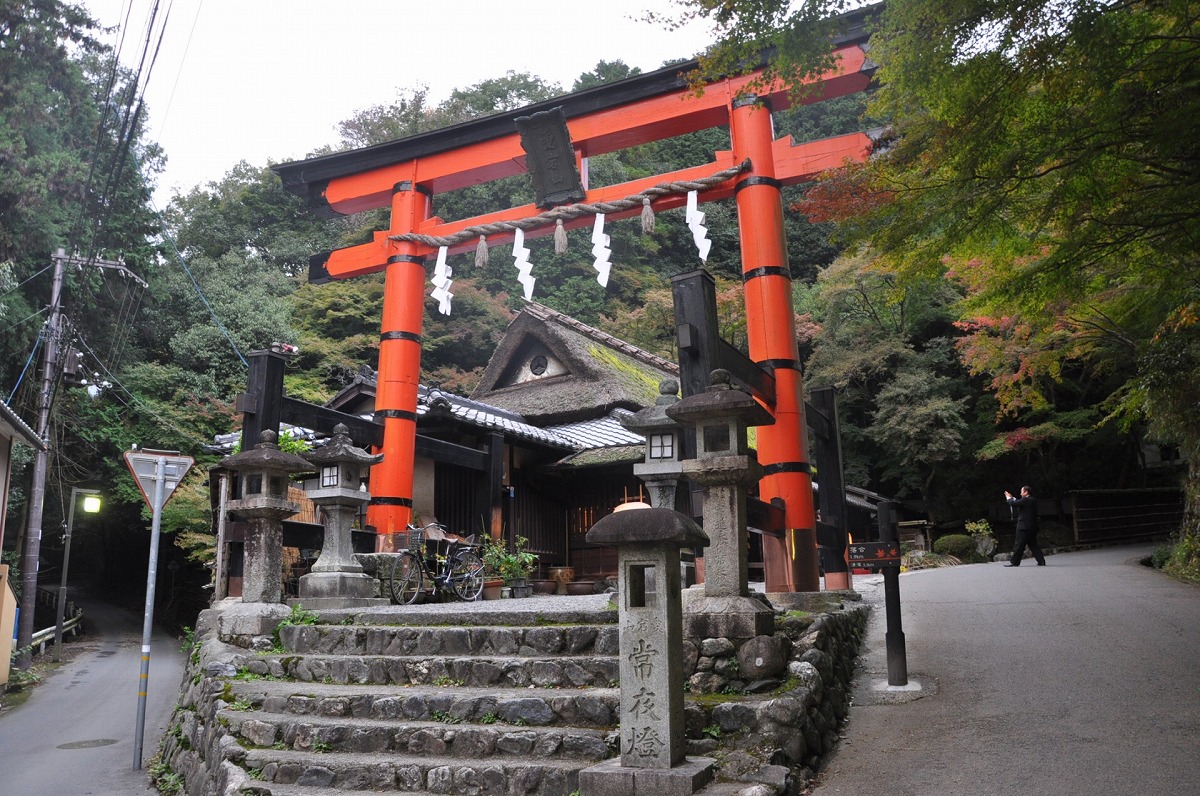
[{"x": 551, "y": 368}]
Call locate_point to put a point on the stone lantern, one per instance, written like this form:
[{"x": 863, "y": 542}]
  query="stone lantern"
[
  {"x": 662, "y": 466},
  {"x": 724, "y": 466},
  {"x": 264, "y": 474},
  {"x": 652, "y": 719},
  {"x": 337, "y": 580}
]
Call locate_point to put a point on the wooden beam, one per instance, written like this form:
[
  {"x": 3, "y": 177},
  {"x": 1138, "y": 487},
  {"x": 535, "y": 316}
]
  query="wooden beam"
[{"x": 490, "y": 149}]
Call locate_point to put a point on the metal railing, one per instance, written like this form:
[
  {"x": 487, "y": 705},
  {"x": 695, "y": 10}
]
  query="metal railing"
[{"x": 40, "y": 639}]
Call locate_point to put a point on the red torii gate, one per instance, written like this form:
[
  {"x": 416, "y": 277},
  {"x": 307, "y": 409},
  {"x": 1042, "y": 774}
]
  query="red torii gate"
[{"x": 407, "y": 173}]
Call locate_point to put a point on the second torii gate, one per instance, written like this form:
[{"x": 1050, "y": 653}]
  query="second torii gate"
[{"x": 407, "y": 173}]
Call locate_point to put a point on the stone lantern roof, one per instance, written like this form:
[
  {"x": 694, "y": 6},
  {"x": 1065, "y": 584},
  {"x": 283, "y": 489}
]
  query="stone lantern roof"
[
  {"x": 655, "y": 418},
  {"x": 267, "y": 456},
  {"x": 721, "y": 401},
  {"x": 340, "y": 449}
]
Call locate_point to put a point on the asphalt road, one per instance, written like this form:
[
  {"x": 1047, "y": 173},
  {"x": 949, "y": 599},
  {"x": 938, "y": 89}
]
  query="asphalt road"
[
  {"x": 1080, "y": 677},
  {"x": 75, "y": 734}
]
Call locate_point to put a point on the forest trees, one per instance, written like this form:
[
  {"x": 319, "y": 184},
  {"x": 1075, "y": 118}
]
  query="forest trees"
[{"x": 1044, "y": 156}]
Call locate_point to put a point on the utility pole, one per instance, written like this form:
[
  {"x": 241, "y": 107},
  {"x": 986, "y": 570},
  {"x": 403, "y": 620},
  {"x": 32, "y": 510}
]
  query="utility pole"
[{"x": 41, "y": 459}]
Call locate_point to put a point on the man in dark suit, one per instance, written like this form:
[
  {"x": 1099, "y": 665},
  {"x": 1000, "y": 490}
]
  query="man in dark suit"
[{"x": 1027, "y": 528}]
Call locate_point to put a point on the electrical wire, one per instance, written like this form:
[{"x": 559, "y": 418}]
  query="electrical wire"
[
  {"x": 36, "y": 345},
  {"x": 8, "y": 329},
  {"x": 212, "y": 313},
  {"x": 134, "y": 402},
  {"x": 8, "y": 293},
  {"x": 178, "y": 74}
]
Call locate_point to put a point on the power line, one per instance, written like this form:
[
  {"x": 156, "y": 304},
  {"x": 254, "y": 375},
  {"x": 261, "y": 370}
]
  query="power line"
[
  {"x": 7, "y": 293},
  {"x": 42, "y": 311},
  {"x": 37, "y": 344},
  {"x": 212, "y": 313}
]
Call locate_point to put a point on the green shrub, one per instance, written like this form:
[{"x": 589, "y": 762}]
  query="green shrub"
[{"x": 959, "y": 545}]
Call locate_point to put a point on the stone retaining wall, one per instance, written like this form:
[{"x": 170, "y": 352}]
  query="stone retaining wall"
[{"x": 792, "y": 691}]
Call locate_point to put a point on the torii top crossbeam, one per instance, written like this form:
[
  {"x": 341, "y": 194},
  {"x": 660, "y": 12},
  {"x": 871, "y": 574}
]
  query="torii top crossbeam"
[{"x": 407, "y": 173}]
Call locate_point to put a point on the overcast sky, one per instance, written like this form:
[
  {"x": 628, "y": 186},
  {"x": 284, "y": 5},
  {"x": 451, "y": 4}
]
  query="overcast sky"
[{"x": 270, "y": 79}]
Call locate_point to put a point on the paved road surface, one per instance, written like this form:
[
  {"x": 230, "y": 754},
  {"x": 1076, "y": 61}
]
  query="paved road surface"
[
  {"x": 1078, "y": 678},
  {"x": 75, "y": 734}
]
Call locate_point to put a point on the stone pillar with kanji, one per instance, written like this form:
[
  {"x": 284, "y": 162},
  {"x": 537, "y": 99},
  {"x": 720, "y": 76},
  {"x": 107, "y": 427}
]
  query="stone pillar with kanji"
[{"x": 650, "y": 612}]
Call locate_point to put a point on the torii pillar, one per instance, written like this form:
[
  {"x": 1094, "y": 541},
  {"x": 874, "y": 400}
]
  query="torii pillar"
[
  {"x": 790, "y": 563},
  {"x": 399, "y": 371}
]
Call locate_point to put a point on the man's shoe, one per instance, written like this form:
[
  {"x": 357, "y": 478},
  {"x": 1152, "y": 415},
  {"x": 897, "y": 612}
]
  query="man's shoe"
[
  {"x": 1012, "y": 565},
  {"x": 1042, "y": 564}
]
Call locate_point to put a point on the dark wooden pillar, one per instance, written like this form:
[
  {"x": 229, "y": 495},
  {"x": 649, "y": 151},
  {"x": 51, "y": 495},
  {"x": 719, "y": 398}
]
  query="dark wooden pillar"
[{"x": 262, "y": 402}]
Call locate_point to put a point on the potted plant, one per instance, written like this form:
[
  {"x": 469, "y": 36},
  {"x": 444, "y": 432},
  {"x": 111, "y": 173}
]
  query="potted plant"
[
  {"x": 513, "y": 565},
  {"x": 543, "y": 585}
]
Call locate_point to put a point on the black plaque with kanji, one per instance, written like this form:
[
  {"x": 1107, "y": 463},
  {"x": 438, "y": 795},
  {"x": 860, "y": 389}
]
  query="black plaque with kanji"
[
  {"x": 550, "y": 158},
  {"x": 874, "y": 554}
]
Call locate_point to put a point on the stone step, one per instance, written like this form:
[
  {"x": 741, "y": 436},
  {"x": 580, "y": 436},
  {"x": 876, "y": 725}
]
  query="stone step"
[
  {"x": 444, "y": 737},
  {"x": 278, "y": 789},
  {"x": 548, "y": 610},
  {"x": 484, "y": 670},
  {"x": 407, "y": 773},
  {"x": 592, "y": 707},
  {"x": 462, "y": 640}
]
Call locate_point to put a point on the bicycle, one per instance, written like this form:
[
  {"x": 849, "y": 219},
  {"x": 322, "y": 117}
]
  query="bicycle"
[{"x": 459, "y": 571}]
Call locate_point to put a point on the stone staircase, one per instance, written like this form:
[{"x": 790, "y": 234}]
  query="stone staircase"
[
  {"x": 425, "y": 703},
  {"x": 466, "y": 699}
]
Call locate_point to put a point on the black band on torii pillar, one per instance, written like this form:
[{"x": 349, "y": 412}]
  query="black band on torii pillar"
[{"x": 392, "y": 501}]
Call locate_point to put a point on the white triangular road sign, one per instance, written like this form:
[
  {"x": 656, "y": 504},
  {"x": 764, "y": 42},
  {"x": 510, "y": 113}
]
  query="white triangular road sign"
[{"x": 144, "y": 466}]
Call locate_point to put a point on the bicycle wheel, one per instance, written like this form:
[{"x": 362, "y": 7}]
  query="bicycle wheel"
[
  {"x": 466, "y": 575},
  {"x": 406, "y": 578}
]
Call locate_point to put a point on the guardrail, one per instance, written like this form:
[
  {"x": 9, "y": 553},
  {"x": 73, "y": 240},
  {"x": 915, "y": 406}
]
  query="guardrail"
[
  {"x": 71, "y": 624},
  {"x": 40, "y": 639}
]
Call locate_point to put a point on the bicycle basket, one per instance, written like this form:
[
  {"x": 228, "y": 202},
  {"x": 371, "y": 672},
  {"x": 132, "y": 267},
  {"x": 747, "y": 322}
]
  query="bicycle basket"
[{"x": 413, "y": 538}]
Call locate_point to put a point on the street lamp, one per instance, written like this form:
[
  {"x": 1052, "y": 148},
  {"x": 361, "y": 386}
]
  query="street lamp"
[{"x": 91, "y": 505}]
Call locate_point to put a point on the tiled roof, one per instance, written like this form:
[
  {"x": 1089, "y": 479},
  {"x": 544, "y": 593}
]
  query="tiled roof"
[
  {"x": 483, "y": 415},
  {"x": 12, "y": 421},
  {"x": 603, "y": 432}
]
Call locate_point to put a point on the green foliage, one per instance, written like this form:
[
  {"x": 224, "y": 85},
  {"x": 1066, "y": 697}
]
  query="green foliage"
[
  {"x": 1160, "y": 556},
  {"x": 509, "y": 562},
  {"x": 190, "y": 645},
  {"x": 798, "y": 33},
  {"x": 19, "y": 678},
  {"x": 1184, "y": 561},
  {"x": 241, "y": 704},
  {"x": 13, "y": 559},
  {"x": 981, "y": 532},
  {"x": 166, "y": 781},
  {"x": 298, "y": 616},
  {"x": 958, "y": 545}
]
